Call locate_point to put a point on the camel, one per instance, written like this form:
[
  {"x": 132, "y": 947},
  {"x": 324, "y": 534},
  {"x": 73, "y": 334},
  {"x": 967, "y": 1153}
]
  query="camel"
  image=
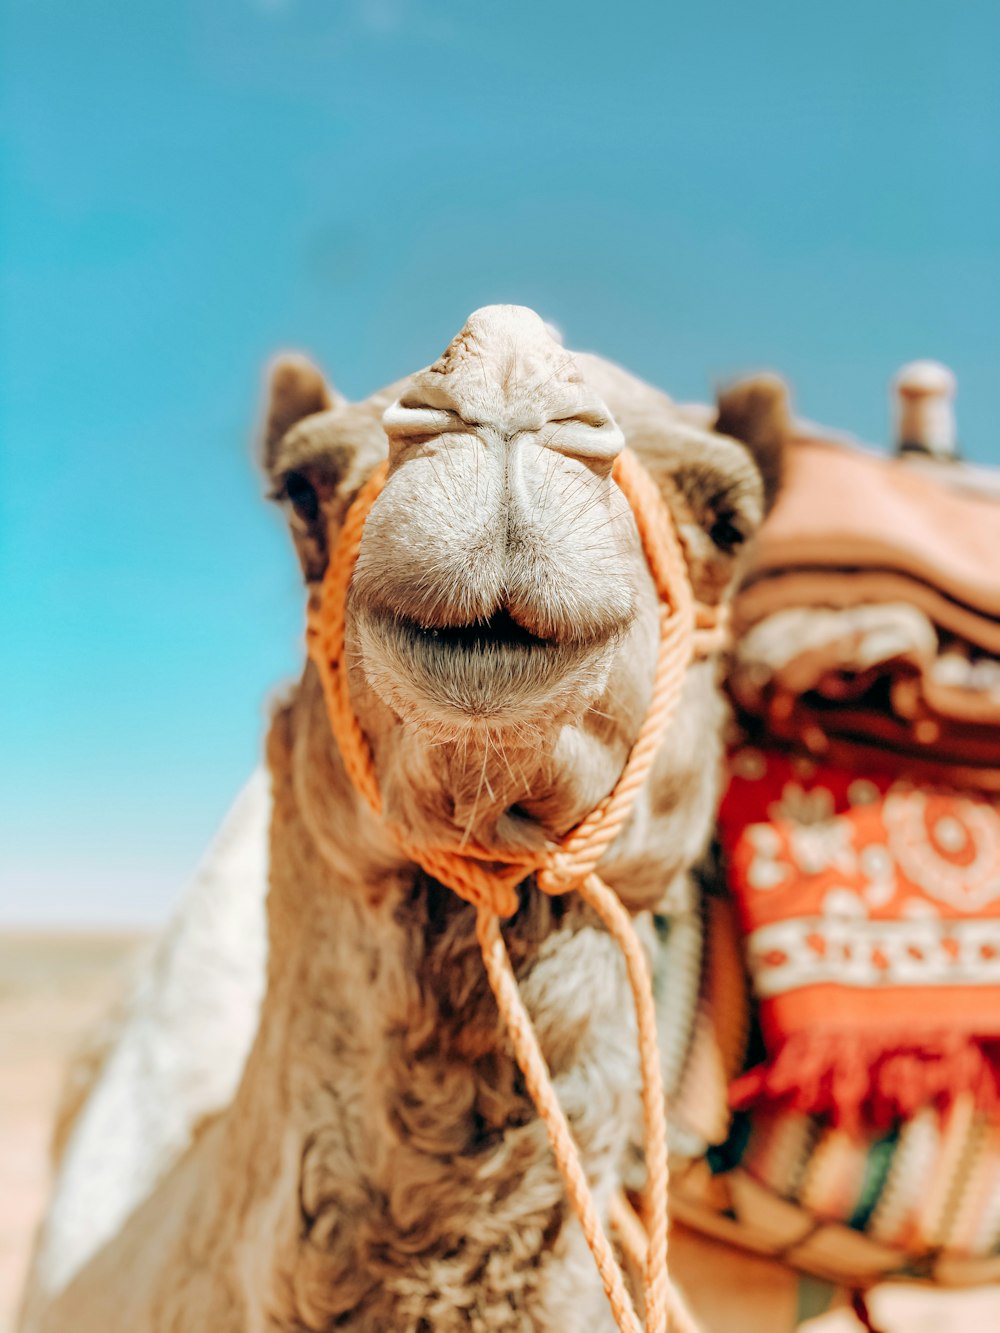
[{"x": 375, "y": 1161}]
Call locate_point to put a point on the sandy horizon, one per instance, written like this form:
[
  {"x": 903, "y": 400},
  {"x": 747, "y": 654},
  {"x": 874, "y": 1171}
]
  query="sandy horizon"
[{"x": 54, "y": 985}]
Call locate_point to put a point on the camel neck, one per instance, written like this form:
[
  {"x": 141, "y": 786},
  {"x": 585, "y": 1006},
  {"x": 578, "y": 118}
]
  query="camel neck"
[{"x": 416, "y": 1147}]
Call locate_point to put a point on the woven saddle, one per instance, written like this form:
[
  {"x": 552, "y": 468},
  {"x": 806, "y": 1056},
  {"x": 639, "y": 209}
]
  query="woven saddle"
[{"x": 835, "y": 1090}]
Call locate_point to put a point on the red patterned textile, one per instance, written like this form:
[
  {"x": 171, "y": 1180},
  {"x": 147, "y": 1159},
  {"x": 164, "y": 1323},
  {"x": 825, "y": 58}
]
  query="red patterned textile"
[{"x": 871, "y": 911}]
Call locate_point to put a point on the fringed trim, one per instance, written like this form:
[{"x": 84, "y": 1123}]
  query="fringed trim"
[
  {"x": 854, "y": 1078},
  {"x": 859, "y": 1304}
]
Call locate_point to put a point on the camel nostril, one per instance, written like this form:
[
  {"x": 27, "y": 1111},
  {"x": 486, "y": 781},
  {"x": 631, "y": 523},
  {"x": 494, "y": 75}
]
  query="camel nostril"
[{"x": 589, "y": 437}]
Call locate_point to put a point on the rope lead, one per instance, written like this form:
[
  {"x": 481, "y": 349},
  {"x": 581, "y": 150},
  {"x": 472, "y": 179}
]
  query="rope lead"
[{"x": 489, "y": 879}]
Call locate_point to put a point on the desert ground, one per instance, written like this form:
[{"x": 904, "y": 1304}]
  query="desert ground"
[{"x": 53, "y": 987}]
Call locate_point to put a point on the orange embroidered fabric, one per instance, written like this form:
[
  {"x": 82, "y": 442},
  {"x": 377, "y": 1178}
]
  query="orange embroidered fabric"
[{"x": 871, "y": 910}]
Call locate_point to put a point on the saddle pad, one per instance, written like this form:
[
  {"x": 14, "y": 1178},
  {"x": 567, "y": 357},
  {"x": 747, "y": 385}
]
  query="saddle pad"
[
  {"x": 919, "y": 1200},
  {"x": 870, "y": 909}
]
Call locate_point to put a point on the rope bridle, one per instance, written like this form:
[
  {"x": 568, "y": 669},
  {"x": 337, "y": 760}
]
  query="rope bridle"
[{"x": 488, "y": 879}]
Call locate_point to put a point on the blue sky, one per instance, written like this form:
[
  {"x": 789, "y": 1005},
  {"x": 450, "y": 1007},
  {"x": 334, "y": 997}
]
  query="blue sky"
[{"x": 694, "y": 190}]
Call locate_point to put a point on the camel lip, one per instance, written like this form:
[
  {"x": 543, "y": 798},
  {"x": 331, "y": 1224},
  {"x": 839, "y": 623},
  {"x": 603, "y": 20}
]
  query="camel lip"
[
  {"x": 491, "y": 672},
  {"x": 499, "y": 630}
]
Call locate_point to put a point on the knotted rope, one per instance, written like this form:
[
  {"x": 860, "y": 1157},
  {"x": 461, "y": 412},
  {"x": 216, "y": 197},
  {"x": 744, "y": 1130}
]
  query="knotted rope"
[{"x": 488, "y": 879}]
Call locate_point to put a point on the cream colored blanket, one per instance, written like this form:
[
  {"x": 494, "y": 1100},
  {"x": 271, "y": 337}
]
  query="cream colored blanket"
[{"x": 869, "y": 623}]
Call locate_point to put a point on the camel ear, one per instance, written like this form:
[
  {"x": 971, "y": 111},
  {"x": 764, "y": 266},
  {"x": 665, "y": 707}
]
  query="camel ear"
[
  {"x": 757, "y": 412},
  {"x": 303, "y": 470},
  {"x": 721, "y": 479},
  {"x": 296, "y": 389},
  {"x": 729, "y": 477}
]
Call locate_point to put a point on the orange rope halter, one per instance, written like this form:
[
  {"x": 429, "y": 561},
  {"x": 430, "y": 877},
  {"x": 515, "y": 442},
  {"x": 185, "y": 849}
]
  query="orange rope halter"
[{"x": 489, "y": 879}]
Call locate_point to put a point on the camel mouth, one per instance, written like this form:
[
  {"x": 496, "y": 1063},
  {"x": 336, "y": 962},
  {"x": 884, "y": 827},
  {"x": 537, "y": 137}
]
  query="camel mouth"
[
  {"x": 497, "y": 631},
  {"x": 492, "y": 672}
]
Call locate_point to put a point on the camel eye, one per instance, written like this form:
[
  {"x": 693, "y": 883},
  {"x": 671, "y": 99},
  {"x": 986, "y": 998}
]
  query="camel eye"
[
  {"x": 725, "y": 534},
  {"x": 301, "y": 495}
]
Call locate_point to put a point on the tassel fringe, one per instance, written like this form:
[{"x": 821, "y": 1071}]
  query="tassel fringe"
[{"x": 854, "y": 1078}]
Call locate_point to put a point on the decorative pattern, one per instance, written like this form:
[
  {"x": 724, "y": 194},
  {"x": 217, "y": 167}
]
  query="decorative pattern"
[
  {"x": 919, "y": 1199},
  {"x": 871, "y": 913}
]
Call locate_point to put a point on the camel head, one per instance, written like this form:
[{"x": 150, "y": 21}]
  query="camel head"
[
  {"x": 502, "y": 623},
  {"x": 498, "y": 570}
]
